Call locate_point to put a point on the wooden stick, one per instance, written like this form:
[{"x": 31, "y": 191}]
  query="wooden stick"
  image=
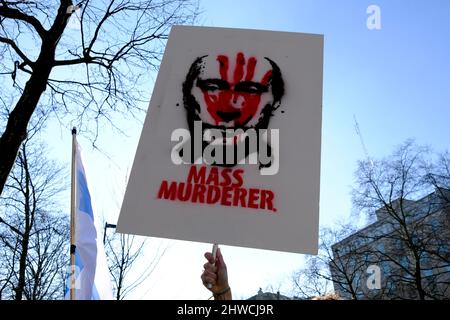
[{"x": 214, "y": 252}]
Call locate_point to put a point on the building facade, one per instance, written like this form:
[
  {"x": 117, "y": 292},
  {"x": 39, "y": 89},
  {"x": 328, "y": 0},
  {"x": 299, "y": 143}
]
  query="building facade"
[{"x": 404, "y": 254}]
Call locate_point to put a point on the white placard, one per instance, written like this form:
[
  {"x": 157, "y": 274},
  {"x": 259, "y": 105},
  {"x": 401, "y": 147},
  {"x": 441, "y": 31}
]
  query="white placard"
[{"x": 220, "y": 88}]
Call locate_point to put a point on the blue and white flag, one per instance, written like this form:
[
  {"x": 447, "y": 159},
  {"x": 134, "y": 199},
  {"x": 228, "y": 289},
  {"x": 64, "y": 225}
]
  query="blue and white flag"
[{"x": 92, "y": 279}]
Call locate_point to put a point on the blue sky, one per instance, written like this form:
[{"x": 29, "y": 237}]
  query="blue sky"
[{"x": 395, "y": 81}]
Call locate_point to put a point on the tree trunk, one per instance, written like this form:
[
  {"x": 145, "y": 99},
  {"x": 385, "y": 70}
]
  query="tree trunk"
[
  {"x": 418, "y": 280},
  {"x": 16, "y": 128},
  {"x": 29, "y": 217},
  {"x": 19, "y": 289}
]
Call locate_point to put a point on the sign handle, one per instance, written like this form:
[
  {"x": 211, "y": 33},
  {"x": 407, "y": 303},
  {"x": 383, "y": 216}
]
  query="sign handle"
[{"x": 214, "y": 252}]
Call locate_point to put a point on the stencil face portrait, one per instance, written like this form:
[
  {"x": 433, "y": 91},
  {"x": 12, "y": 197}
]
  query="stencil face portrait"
[{"x": 232, "y": 92}]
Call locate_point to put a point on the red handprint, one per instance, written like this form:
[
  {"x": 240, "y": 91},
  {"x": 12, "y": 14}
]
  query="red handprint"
[{"x": 235, "y": 100}]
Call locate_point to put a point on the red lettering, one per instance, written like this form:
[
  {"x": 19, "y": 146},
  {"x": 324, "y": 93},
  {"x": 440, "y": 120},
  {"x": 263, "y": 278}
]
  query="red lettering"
[
  {"x": 226, "y": 195},
  {"x": 267, "y": 200},
  {"x": 199, "y": 193},
  {"x": 166, "y": 192},
  {"x": 213, "y": 194},
  {"x": 239, "y": 196},
  {"x": 195, "y": 176},
  {"x": 237, "y": 174},
  {"x": 253, "y": 197},
  {"x": 226, "y": 176},
  {"x": 184, "y": 196},
  {"x": 213, "y": 177}
]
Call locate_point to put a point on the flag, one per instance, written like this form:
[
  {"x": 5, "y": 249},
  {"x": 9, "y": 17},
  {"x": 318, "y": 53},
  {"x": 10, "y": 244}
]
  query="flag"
[{"x": 92, "y": 280}]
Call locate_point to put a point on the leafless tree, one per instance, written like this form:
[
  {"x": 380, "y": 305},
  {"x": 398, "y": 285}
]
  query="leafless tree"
[
  {"x": 329, "y": 269},
  {"x": 6, "y": 273},
  {"x": 127, "y": 264},
  {"x": 405, "y": 200},
  {"x": 47, "y": 259},
  {"x": 32, "y": 231},
  {"x": 405, "y": 196},
  {"x": 312, "y": 279},
  {"x": 438, "y": 175},
  {"x": 87, "y": 60}
]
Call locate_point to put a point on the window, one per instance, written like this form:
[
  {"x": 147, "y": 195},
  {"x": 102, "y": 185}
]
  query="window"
[
  {"x": 404, "y": 261},
  {"x": 380, "y": 247}
]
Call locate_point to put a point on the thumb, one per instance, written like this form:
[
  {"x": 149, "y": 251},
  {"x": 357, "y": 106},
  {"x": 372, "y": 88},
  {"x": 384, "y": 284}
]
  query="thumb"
[{"x": 219, "y": 258}]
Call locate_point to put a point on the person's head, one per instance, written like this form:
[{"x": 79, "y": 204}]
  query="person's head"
[{"x": 235, "y": 91}]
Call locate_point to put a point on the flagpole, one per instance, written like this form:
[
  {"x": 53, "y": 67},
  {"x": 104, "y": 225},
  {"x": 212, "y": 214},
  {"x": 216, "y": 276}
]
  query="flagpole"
[{"x": 72, "y": 215}]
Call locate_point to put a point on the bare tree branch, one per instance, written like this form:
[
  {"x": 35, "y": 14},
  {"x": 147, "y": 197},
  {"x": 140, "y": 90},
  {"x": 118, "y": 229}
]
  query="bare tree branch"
[
  {"x": 16, "y": 14},
  {"x": 17, "y": 50},
  {"x": 103, "y": 63},
  {"x": 33, "y": 237}
]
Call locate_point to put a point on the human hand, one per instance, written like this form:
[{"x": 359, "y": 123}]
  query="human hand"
[{"x": 215, "y": 273}]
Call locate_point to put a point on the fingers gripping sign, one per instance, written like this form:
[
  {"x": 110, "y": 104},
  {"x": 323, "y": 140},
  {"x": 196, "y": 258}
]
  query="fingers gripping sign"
[
  {"x": 215, "y": 276},
  {"x": 214, "y": 252}
]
